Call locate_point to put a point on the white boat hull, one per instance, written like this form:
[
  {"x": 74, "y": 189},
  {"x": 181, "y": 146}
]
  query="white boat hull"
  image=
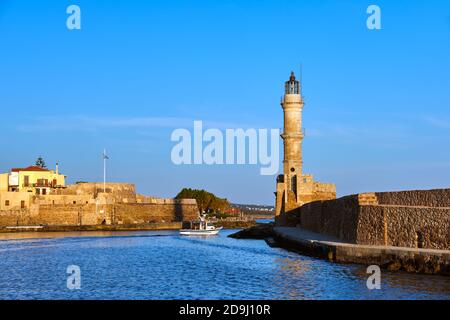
[{"x": 193, "y": 232}]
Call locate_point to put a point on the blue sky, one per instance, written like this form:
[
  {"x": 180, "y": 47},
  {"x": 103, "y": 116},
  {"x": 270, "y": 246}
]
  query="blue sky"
[{"x": 377, "y": 102}]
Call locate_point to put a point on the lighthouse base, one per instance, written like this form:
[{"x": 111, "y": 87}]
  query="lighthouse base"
[{"x": 308, "y": 191}]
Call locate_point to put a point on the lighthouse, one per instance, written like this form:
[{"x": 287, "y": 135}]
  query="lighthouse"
[
  {"x": 294, "y": 188},
  {"x": 292, "y": 135}
]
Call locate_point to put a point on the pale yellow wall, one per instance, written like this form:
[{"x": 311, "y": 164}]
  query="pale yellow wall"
[
  {"x": 35, "y": 175},
  {"x": 4, "y": 182},
  {"x": 15, "y": 199}
]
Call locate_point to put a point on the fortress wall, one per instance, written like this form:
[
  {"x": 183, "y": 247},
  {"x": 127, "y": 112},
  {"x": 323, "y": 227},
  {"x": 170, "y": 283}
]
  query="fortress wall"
[
  {"x": 156, "y": 212},
  {"x": 92, "y": 214},
  {"x": 404, "y": 226},
  {"x": 324, "y": 187},
  {"x": 154, "y": 200},
  {"x": 64, "y": 199},
  {"x": 407, "y": 219},
  {"x": 323, "y": 191},
  {"x": 87, "y": 204},
  {"x": 56, "y": 215},
  {"x": 336, "y": 217},
  {"x": 429, "y": 198},
  {"x": 370, "y": 228},
  {"x": 97, "y": 187},
  {"x": 315, "y": 191},
  {"x": 68, "y": 214},
  {"x": 121, "y": 192},
  {"x": 14, "y": 218}
]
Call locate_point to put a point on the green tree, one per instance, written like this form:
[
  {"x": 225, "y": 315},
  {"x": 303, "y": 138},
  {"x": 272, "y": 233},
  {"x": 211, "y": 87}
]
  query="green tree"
[
  {"x": 40, "y": 162},
  {"x": 206, "y": 201}
]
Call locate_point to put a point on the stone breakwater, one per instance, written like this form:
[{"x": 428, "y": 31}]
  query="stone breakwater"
[
  {"x": 333, "y": 249},
  {"x": 414, "y": 219},
  {"x": 428, "y": 261},
  {"x": 406, "y": 230}
]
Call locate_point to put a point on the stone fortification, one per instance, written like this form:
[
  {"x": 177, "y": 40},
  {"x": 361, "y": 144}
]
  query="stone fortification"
[
  {"x": 415, "y": 219},
  {"x": 88, "y": 204}
]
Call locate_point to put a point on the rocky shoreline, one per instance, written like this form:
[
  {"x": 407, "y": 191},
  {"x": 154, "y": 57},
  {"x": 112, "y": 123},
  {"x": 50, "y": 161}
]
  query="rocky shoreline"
[{"x": 258, "y": 231}]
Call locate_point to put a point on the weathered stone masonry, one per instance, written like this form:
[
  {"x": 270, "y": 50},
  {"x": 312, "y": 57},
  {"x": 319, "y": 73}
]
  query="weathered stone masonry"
[
  {"x": 415, "y": 219},
  {"x": 87, "y": 204},
  {"x": 91, "y": 214}
]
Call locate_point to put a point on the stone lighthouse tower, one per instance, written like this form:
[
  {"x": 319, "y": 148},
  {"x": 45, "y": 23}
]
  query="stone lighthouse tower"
[
  {"x": 292, "y": 135},
  {"x": 293, "y": 187}
]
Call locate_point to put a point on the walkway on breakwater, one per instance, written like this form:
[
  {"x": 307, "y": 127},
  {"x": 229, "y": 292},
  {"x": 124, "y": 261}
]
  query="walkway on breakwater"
[{"x": 428, "y": 261}]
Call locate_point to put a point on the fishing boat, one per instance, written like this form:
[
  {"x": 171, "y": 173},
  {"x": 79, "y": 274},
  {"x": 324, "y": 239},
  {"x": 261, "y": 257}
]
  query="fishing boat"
[{"x": 200, "y": 228}]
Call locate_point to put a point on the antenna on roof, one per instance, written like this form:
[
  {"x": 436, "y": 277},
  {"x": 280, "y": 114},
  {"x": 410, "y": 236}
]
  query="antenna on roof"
[{"x": 105, "y": 157}]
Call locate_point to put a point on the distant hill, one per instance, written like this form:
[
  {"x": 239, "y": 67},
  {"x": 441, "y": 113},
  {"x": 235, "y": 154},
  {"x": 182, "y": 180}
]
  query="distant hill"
[{"x": 254, "y": 209}]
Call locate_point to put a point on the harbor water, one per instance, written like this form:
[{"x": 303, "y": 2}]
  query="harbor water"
[{"x": 165, "y": 265}]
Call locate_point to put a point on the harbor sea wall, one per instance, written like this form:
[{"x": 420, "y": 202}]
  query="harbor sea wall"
[
  {"x": 92, "y": 203},
  {"x": 429, "y": 261},
  {"x": 164, "y": 210},
  {"x": 414, "y": 219}
]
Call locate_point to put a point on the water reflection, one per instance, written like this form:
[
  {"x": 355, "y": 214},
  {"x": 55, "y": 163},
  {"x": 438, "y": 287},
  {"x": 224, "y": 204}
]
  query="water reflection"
[
  {"x": 163, "y": 265},
  {"x": 413, "y": 283},
  {"x": 78, "y": 234}
]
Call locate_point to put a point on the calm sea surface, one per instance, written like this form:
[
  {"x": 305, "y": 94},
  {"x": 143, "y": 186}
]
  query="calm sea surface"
[{"x": 164, "y": 265}]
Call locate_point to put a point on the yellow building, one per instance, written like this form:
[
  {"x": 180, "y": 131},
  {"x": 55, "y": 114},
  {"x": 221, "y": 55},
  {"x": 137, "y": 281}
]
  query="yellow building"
[
  {"x": 4, "y": 181},
  {"x": 33, "y": 179}
]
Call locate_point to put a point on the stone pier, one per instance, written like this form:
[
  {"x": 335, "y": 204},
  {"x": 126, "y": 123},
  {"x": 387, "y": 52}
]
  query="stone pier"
[{"x": 429, "y": 261}]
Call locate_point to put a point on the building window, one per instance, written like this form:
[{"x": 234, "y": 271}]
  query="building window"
[
  {"x": 42, "y": 182},
  {"x": 22, "y": 204},
  {"x": 26, "y": 181},
  {"x": 6, "y": 203},
  {"x": 74, "y": 202},
  {"x": 294, "y": 184}
]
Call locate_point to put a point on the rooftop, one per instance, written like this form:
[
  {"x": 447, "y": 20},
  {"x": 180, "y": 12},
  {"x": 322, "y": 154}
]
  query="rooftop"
[{"x": 30, "y": 168}]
